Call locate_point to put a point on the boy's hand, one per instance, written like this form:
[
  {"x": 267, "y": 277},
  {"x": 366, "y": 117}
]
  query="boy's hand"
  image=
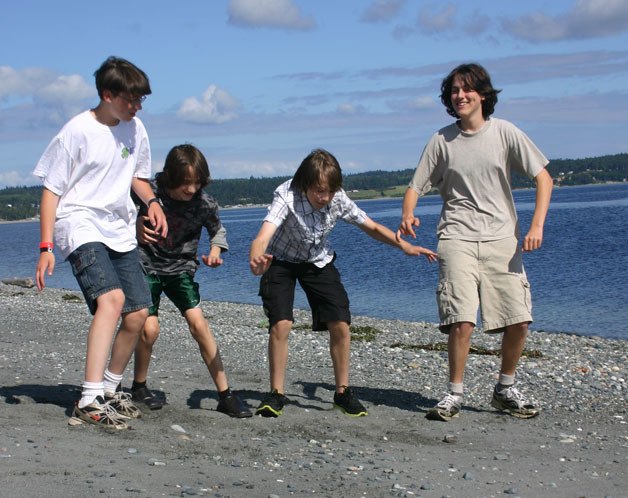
[
  {"x": 260, "y": 264},
  {"x": 533, "y": 240},
  {"x": 406, "y": 226},
  {"x": 158, "y": 219},
  {"x": 45, "y": 265},
  {"x": 212, "y": 261},
  {"x": 411, "y": 250},
  {"x": 144, "y": 234}
]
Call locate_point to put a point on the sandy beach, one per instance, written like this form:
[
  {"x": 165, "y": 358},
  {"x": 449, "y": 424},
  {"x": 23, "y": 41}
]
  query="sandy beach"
[{"x": 577, "y": 446}]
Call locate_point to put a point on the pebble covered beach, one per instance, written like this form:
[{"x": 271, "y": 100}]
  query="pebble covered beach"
[{"x": 577, "y": 446}]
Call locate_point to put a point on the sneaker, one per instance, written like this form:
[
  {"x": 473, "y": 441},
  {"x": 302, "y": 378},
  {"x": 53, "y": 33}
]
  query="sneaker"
[
  {"x": 446, "y": 409},
  {"x": 145, "y": 396},
  {"x": 233, "y": 406},
  {"x": 512, "y": 401},
  {"x": 272, "y": 404},
  {"x": 121, "y": 403},
  {"x": 349, "y": 403},
  {"x": 100, "y": 413}
]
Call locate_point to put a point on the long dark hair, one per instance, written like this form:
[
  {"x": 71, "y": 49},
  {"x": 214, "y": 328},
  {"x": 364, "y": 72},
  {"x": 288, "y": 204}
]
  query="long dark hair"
[{"x": 476, "y": 78}]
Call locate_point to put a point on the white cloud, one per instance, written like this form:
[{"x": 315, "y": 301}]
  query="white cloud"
[
  {"x": 382, "y": 10},
  {"x": 17, "y": 178},
  {"x": 432, "y": 20},
  {"x": 350, "y": 109},
  {"x": 22, "y": 83},
  {"x": 244, "y": 169},
  {"x": 587, "y": 19},
  {"x": 215, "y": 106},
  {"x": 281, "y": 14},
  {"x": 70, "y": 88}
]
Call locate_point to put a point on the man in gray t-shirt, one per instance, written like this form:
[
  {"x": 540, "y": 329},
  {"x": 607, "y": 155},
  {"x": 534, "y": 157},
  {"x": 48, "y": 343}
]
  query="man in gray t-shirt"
[{"x": 470, "y": 163}]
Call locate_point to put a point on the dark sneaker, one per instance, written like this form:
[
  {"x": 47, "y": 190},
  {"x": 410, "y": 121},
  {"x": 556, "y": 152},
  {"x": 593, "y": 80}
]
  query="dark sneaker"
[
  {"x": 272, "y": 404},
  {"x": 446, "y": 409},
  {"x": 349, "y": 403},
  {"x": 146, "y": 397},
  {"x": 121, "y": 402},
  {"x": 512, "y": 401},
  {"x": 233, "y": 406},
  {"x": 101, "y": 414}
]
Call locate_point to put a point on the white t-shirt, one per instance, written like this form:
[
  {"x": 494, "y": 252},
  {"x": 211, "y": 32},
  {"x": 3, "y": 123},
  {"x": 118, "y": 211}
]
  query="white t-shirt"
[
  {"x": 90, "y": 167},
  {"x": 472, "y": 173}
]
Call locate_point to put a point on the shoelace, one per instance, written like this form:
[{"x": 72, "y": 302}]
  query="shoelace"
[
  {"x": 111, "y": 413},
  {"x": 449, "y": 400}
]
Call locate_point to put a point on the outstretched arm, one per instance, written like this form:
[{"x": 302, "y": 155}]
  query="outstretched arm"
[
  {"x": 259, "y": 260},
  {"x": 383, "y": 234},
  {"x": 47, "y": 216},
  {"x": 534, "y": 238},
  {"x": 156, "y": 215},
  {"x": 408, "y": 220}
]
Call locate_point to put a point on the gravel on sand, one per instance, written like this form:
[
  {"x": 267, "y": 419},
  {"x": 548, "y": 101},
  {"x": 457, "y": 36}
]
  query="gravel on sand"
[{"x": 577, "y": 446}]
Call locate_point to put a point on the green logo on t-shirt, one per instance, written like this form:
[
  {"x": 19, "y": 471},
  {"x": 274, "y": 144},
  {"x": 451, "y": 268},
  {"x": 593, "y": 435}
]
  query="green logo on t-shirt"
[{"x": 125, "y": 152}]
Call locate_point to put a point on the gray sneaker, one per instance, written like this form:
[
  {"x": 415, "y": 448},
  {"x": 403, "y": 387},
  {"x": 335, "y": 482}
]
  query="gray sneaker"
[
  {"x": 512, "y": 401},
  {"x": 121, "y": 403},
  {"x": 101, "y": 414},
  {"x": 446, "y": 409}
]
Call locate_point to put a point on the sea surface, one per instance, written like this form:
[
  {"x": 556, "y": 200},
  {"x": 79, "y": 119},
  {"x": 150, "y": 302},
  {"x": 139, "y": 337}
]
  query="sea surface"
[{"x": 579, "y": 277}]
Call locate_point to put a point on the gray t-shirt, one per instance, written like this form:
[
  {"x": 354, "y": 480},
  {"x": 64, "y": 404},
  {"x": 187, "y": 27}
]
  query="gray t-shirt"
[{"x": 472, "y": 173}]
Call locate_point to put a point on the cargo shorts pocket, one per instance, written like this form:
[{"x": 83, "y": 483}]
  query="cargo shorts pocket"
[
  {"x": 527, "y": 295},
  {"x": 443, "y": 299},
  {"x": 85, "y": 270}
]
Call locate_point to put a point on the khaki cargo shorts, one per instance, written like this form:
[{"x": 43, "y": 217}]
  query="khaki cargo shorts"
[{"x": 488, "y": 275}]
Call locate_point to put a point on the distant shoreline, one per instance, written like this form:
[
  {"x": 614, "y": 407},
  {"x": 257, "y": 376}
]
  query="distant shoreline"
[{"x": 378, "y": 198}]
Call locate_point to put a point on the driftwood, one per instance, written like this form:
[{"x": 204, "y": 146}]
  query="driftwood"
[{"x": 20, "y": 282}]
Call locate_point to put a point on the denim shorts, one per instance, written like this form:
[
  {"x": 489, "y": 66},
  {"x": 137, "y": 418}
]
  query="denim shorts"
[
  {"x": 181, "y": 289},
  {"x": 487, "y": 274},
  {"x": 322, "y": 286},
  {"x": 99, "y": 270}
]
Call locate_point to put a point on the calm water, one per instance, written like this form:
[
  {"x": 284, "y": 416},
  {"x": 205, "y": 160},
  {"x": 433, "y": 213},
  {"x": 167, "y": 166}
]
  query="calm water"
[{"x": 579, "y": 277}]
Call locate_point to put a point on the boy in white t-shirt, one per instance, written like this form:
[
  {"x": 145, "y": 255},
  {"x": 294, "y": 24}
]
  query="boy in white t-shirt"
[
  {"x": 480, "y": 259},
  {"x": 88, "y": 170}
]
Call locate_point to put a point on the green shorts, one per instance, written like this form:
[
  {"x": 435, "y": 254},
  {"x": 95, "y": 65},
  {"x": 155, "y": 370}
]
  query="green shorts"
[
  {"x": 181, "y": 289},
  {"x": 488, "y": 275}
]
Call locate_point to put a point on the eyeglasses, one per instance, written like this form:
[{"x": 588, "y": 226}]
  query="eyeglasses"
[{"x": 134, "y": 102}]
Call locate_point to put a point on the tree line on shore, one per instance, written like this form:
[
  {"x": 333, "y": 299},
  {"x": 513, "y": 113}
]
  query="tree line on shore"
[{"x": 19, "y": 203}]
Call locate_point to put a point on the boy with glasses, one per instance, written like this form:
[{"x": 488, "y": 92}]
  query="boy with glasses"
[{"x": 87, "y": 171}]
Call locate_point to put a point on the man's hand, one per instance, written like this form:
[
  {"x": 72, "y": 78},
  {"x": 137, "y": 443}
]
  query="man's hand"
[{"x": 406, "y": 227}]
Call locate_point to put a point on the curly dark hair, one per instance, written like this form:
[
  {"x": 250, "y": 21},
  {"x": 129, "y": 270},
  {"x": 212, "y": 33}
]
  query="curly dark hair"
[{"x": 476, "y": 78}]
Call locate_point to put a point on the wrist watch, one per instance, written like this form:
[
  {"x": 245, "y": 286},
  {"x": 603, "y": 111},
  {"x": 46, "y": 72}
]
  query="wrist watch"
[{"x": 154, "y": 199}]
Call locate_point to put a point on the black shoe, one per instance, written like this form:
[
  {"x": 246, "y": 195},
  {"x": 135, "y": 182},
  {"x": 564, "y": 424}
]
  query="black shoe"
[
  {"x": 233, "y": 406},
  {"x": 349, "y": 403},
  {"x": 272, "y": 404},
  {"x": 145, "y": 396}
]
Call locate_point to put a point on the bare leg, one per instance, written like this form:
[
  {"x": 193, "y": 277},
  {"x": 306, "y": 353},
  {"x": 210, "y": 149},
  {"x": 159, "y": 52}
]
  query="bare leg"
[
  {"x": 126, "y": 340},
  {"x": 458, "y": 346},
  {"x": 340, "y": 350},
  {"x": 144, "y": 348},
  {"x": 202, "y": 334},
  {"x": 101, "y": 332},
  {"x": 513, "y": 343},
  {"x": 278, "y": 354}
]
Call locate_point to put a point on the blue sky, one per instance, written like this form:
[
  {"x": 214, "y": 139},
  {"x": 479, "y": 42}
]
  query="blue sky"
[{"x": 257, "y": 84}]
